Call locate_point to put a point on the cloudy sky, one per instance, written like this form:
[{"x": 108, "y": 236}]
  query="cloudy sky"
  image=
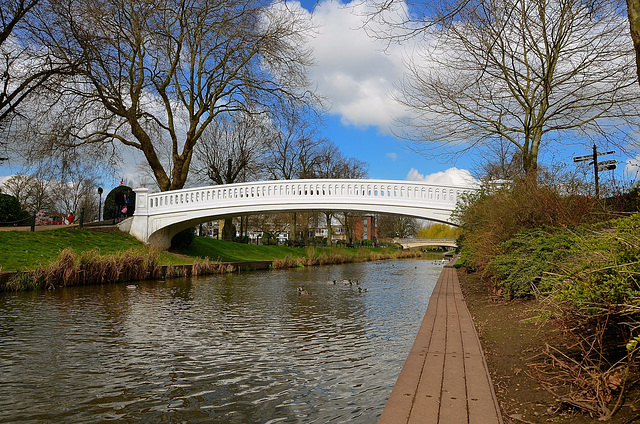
[{"x": 358, "y": 77}]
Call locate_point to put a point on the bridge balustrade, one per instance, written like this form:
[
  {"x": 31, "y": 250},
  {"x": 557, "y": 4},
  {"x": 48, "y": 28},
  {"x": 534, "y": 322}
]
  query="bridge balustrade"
[
  {"x": 159, "y": 216},
  {"x": 301, "y": 190}
]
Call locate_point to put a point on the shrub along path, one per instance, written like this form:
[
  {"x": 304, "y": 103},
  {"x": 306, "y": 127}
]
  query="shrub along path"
[{"x": 513, "y": 339}]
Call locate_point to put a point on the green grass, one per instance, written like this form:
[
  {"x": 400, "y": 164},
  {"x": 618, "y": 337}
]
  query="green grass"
[
  {"x": 230, "y": 252},
  {"x": 20, "y": 250},
  {"x": 213, "y": 249},
  {"x": 24, "y": 250}
]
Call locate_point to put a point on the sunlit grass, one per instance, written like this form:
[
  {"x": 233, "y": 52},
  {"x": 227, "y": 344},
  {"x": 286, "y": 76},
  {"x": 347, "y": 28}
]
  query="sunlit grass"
[
  {"x": 20, "y": 250},
  {"x": 213, "y": 249},
  {"x": 23, "y": 250}
]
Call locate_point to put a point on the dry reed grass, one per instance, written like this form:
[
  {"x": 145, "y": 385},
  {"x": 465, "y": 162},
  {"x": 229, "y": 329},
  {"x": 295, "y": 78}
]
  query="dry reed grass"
[
  {"x": 88, "y": 269},
  {"x": 91, "y": 268}
]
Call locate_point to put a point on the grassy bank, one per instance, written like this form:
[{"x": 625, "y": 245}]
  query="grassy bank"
[
  {"x": 70, "y": 257},
  {"x": 24, "y": 250},
  {"x": 219, "y": 250}
]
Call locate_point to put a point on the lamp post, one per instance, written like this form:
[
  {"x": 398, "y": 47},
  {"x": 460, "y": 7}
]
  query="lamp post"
[{"x": 100, "y": 204}]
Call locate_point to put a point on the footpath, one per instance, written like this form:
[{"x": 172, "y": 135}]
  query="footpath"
[{"x": 445, "y": 379}]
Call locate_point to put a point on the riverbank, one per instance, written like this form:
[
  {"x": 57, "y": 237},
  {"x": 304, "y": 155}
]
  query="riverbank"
[
  {"x": 514, "y": 341},
  {"x": 61, "y": 258}
]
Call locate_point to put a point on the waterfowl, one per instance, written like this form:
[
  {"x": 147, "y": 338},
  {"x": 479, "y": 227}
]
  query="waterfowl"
[
  {"x": 361, "y": 290},
  {"x": 132, "y": 286}
]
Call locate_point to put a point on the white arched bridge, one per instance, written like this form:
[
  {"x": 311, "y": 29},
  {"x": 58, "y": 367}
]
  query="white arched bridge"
[
  {"x": 159, "y": 216},
  {"x": 427, "y": 242}
]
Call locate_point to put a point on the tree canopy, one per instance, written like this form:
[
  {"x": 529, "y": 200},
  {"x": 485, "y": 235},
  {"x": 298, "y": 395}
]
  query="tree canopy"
[
  {"x": 532, "y": 73},
  {"x": 154, "y": 75}
]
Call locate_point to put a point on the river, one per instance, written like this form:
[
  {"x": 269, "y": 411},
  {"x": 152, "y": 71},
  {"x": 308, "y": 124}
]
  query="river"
[{"x": 236, "y": 348}]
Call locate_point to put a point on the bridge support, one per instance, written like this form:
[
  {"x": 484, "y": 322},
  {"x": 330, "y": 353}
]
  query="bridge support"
[{"x": 160, "y": 239}]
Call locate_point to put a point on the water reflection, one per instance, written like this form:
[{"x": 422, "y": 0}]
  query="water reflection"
[{"x": 234, "y": 348}]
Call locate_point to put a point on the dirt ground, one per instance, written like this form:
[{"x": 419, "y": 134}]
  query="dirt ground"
[{"x": 512, "y": 339}]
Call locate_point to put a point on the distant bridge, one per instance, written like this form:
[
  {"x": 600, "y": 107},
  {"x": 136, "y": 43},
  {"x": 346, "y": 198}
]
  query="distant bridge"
[
  {"x": 420, "y": 242},
  {"x": 159, "y": 216}
]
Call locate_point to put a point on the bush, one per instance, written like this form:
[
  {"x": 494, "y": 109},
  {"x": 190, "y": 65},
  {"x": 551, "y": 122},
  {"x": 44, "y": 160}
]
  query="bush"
[
  {"x": 491, "y": 217},
  {"x": 10, "y": 211},
  {"x": 114, "y": 200}
]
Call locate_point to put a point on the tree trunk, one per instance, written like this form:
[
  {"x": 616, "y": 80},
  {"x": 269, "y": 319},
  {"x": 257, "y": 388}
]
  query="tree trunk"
[
  {"x": 292, "y": 227},
  {"x": 228, "y": 229},
  {"x": 633, "y": 12},
  {"x": 329, "y": 229}
]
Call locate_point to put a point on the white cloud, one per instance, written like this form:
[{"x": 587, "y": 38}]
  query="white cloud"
[
  {"x": 4, "y": 179},
  {"x": 393, "y": 156},
  {"x": 452, "y": 176},
  {"x": 632, "y": 168},
  {"x": 353, "y": 70}
]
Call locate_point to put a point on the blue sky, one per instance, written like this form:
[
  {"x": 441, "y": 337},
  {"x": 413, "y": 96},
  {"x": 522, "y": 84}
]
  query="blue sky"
[
  {"x": 388, "y": 157},
  {"x": 358, "y": 77}
]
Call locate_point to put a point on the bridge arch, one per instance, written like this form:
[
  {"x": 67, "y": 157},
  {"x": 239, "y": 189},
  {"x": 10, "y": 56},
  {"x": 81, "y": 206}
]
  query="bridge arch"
[{"x": 159, "y": 216}]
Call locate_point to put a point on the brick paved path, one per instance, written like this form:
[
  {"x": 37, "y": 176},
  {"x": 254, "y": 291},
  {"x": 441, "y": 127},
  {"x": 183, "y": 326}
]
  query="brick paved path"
[{"x": 445, "y": 378}]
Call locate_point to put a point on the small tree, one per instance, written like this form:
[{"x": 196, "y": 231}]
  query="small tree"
[
  {"x": 115, "y": 201},
  {"x": 10, "y": 211}
]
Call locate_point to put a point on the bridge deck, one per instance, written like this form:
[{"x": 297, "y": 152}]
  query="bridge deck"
[{"x": 445, "y": 379}]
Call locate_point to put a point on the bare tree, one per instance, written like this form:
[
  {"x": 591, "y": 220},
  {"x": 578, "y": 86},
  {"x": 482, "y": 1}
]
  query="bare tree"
[
  {"x": 19, "y": 186},
  {"x": 390, "y": 226},
  {"x": 295, "y": 150},
  {"x": 333, "y": 164},
  {"x": 57, "y": 187},
  {"x": 33, "y": 191},
  {"x": 73, "y": 184},
  {"x": 25, "y": 64},
  {"x": 231, "y": 151},
  {"x": 29, "y": 70},
  {"x": 160, "y": 72},
  {"x": 534, "y": 73}
]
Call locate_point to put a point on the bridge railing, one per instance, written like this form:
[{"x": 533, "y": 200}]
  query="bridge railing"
[
  {"x": 426, "y": 241},
  {"x": 299, "y": 191}
]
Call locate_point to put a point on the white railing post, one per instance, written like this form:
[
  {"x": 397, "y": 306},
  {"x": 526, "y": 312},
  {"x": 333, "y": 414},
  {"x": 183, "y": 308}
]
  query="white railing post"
[
  {"x": 142, "y": 204},
  {"x": 139, "y": 226}
]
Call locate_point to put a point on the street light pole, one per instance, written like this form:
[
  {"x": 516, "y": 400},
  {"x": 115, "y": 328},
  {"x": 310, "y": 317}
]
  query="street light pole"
[
  {"x": 100, "y": 204},
  {"x": 595, "y": 169}
]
